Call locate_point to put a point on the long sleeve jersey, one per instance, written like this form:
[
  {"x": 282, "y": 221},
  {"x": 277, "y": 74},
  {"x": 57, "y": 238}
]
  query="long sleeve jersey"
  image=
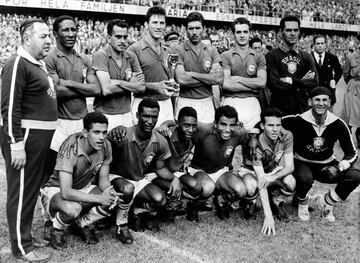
[
  {"x": 315, "y": 143},
  {"x": 28, "y": 97}
]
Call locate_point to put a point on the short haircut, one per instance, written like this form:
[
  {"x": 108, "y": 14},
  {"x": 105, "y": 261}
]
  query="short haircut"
[
  {"x": 116, "y": 22},
  {"x": 148, "y": 103},
  {"x": 194, "y": 16},
  {"x": 153, "y": 11},
  {"x": 270, "y": 112},
  {"x": 226, "y": 111},
  {"x": 289, "y": 18},
  {"x": 187, "y": 112},
  {"x": 240, "y": 21},
  {"x": 59, "y": 19},
  {"x": 254, "y": 40},
  {"x": 28, "y": 24},
  {"x": 318, "y": 36},
  {"x": 94, "y": 117}
]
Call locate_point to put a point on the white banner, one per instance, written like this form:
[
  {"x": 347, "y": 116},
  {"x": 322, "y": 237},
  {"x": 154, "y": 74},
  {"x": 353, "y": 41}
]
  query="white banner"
[{"x": 91, "y": 6}]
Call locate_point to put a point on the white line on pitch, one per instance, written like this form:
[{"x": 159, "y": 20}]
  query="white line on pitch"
[{"x": 178, "y": 251}]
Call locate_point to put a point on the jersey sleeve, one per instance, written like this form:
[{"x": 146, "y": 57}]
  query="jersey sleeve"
[
  {"x": 66, "y": 164},
  {"x": 164, "y": 150},
  {"x": 225, "y": 57},
  {"x": 12, "y": 90},
  {"x": 135, "y": 65},
  {"x": 50, "y": 63},
  {"x": 261, "y": 62},
  {"x": 100, "y": 61}
]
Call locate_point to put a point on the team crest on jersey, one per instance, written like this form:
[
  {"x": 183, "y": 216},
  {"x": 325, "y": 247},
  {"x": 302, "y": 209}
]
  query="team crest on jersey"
[
  {"x": 51, "y": 90},
  {"x": 148, "y": 159},
  {"x": 128, "y": 74},
  {"x": 207, "y": 64},
  {"x": 318, "y": 142},
  {"x": 228, "y": 151},
  {"x": 292, "y": 67},
  {"x": 251, "y": 69}
]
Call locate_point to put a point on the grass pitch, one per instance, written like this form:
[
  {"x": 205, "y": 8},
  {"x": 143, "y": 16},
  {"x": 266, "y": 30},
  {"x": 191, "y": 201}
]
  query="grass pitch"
[{"x": 212, "y": 240}]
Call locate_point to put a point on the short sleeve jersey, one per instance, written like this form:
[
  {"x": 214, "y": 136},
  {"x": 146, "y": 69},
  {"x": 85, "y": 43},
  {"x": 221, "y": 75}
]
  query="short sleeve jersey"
[
  {"x": 69, "y": 69},
  {"x": 244, "y": 67},
  {"x": 131, "y": 162},
  {"x": 272, "y": 153},
  {"x": 83, "y": 167},
  {"x": 211, "y": 152},
  {"x": 197, "y": 62},
  {"x": 119, "y": 67},
  {"x": 181, "y": 152},
  {"x": 153, "y": 65}
]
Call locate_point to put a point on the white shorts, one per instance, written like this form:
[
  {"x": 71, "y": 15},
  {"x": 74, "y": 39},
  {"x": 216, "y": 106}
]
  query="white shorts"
[
  {"x": 248, "y": 109},
  {"x": 115, "y": 120},
  {"x": 47, "y": 193},
  {"x": 204, "y": 108},
  {"x": 139, "y": 185},
  {"x": 214, "y": 176},
  {"x": 242, "y": 171},
  {"x": 63, "y": 130},
  {"x": 178, "y": 174},
  {"x": 166, "y": 111}
]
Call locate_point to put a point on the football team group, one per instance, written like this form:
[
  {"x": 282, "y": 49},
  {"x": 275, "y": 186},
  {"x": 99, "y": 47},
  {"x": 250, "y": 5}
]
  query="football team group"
[{"x": 159, "y": 143}]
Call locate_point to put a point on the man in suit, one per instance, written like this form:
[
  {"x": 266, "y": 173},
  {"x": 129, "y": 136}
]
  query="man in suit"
[{"x": 327, "y": 65}]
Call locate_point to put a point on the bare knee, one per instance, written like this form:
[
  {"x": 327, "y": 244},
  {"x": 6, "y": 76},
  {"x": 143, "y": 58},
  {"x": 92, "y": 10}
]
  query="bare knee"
[
  {"x": 158, "y": 198},
  {"x": 251, "y": 184},
  {"x": 71, "y": 209},
  {"x": 208, "y": 188},
  {"x": 289, "y": 182},
  {"x": 240, "y": 190},
  {"x": 128, "y": 192}
]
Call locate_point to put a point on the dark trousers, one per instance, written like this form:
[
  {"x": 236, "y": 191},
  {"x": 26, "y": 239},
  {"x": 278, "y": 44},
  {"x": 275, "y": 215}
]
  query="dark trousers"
[
  {"x": 23, "y": 186},
  {"x": 305, "y": 174}
]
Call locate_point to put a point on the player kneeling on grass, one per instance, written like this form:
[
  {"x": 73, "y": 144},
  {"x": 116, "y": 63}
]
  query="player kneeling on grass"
[
  {"x": 315, "y": 133},
  {"x": 140, "y": 154},
  {"x": 69, "y": 196},
  {"x": 212, "y": 162},
  {"x": 195, "y": 189},
  {"x": 275, "y": 162}
]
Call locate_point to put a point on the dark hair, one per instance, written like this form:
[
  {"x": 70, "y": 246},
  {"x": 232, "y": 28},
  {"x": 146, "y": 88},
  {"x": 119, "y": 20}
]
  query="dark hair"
[
  {"x": 270, "y": 112},
  {"x": 318, "y": 36},
  {"x": 226, "y": 111},
  {"x": 59, "y": 19},
  {"x": 288, "y": 19},
  {"x": 240, "y": 21},
  {"x": 116, "y": 22},
  {"x": 194, "y": 16},
  {"x": 148, "y": 103},
  {"x": 187, "y": 112},
  {"x": 94, "y": 117},
  {"x": 155, "y": 10},
  {"x": 28, "y": 24},
  {"x": 254, "y": 40}
]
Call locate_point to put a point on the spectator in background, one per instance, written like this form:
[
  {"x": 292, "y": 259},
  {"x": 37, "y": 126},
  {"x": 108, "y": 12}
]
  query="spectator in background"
[
  {"x": 352, "y": 98},
  {"x": 172, "y": 39},
  {"x": 256, "y": 44},
  {"x": 328, "y": 67}
]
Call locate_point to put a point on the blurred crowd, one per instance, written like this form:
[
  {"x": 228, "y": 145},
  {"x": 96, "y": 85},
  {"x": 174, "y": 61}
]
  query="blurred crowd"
[
  {"x": 339, "y": 11},
  {"x": 92, "y": 36}
]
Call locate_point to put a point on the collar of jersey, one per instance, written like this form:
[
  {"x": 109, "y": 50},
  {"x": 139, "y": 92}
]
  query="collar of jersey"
[
  {"x": 23, "y": 53},
  {"x": 286, "y": 49},
  {"x": 308, "y": 116}
]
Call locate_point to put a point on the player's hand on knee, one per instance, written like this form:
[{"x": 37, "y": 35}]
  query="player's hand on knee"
[
  {"x": 175, "y": 188},
  {"x": 117, "y": 134},
  {"x": 18, "y": 159},
  {"x": 268, "y": 226},
  {"x": 69, "y": 145},
  {"x": 106, "y": 199},
  {"x": 331, "y": 171}
]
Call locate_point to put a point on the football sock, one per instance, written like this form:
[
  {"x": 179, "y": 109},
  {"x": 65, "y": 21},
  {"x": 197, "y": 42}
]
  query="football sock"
[
  {"x": 252, "y": 199},
  {"x": 96, "y": 213},
  {"x": 303, "y": 201},
  {"x": 331, "y": 197},
  {"x": 58, "y": 223},
  {"x": 122, "y": 212}
]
